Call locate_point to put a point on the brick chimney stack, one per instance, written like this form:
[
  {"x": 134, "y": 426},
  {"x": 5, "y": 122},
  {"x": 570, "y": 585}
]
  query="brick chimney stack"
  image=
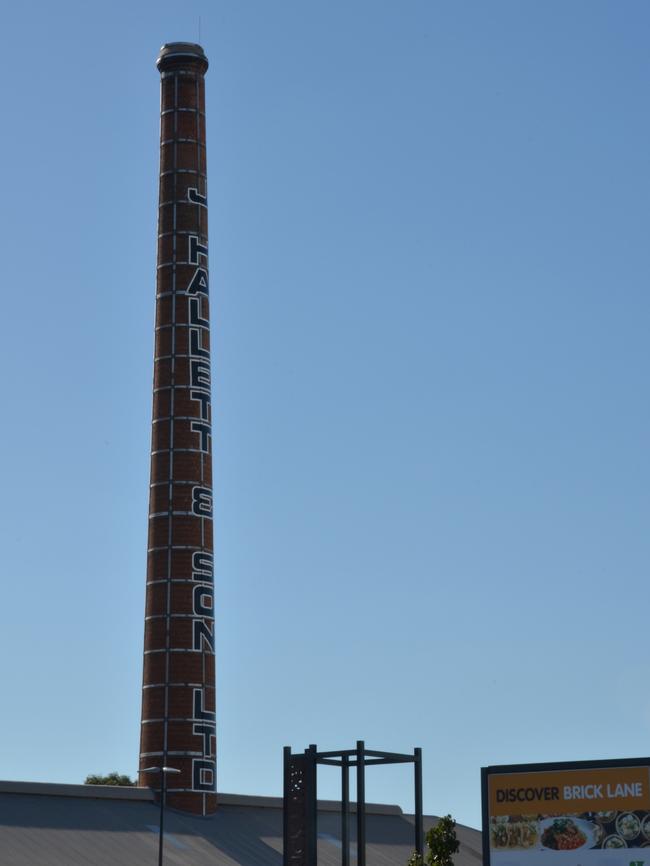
[{"x": 178, "y": 703}]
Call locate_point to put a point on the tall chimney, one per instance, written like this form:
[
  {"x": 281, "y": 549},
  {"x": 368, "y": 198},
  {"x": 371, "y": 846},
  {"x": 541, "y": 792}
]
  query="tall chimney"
[{"x": 178, "y": 698}]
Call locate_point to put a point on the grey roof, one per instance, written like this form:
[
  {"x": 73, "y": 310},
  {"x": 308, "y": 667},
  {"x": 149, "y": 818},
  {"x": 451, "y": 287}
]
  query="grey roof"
[{"x": 77, "y": 825}]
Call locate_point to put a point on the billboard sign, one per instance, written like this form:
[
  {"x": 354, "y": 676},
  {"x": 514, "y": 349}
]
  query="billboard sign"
[{"x": 570, "y": 814}]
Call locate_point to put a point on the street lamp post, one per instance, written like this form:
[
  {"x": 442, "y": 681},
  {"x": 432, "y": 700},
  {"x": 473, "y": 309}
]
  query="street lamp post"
[{"x": 163, "y": 790}]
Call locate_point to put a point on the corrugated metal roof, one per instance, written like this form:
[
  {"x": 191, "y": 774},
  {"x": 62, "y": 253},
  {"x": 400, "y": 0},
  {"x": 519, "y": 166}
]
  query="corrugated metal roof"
[{"x": 72, "y": 828}]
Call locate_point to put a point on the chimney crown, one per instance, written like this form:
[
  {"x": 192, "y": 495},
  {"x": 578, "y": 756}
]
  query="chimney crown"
[{"x": 175, "y": 54}]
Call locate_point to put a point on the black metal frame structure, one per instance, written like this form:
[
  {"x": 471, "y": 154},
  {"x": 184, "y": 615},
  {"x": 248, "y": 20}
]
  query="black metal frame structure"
[{"x": 300, "y": 801}]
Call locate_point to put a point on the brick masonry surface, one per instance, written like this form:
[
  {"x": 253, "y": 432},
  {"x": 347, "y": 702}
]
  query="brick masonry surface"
[{"x": 178, "y": 704}]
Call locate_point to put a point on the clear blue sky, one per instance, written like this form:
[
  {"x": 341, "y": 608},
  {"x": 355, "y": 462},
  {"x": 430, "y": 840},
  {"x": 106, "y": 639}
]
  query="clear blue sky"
[{"x": 431, "y": 307}]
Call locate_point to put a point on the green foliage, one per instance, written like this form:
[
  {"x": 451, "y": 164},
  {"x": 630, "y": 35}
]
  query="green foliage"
[
  {"x": 442, "y": 844},
  {"x": 111, "y": 779}
]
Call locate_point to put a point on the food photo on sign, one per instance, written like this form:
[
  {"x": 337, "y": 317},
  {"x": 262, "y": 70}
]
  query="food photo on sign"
[{"x": 580, "y": 815}]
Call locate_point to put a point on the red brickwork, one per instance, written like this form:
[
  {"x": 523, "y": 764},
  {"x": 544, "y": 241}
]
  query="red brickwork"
[{"x": 178, "y": 704}]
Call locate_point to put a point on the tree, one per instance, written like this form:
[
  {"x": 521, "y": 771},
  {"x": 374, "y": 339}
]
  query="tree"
[
  {"x": 442, "y": 843},
  {"x": 111, "y": 779}
]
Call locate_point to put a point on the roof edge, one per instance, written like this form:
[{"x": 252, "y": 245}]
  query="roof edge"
[
  {"x": 323, "y": 805},
  {"x": 118, "y": 792},
  {"x": 96, "y": 792}
]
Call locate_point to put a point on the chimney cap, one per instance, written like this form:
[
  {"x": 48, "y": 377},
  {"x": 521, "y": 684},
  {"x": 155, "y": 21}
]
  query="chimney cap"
[{"x": 180, "y": 53}]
